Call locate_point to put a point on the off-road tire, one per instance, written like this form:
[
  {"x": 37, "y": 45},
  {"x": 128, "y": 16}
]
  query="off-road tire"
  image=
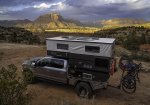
[{"x": 84, "y": 90}]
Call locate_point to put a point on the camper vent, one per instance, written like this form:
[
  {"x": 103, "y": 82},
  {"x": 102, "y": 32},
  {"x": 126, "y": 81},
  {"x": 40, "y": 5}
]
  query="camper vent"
[
  {"x": 66, "y": 37},
  {"x": 95, "y": 38},
  {"x": 69, "y": 37},
  {"x": 82, "y": 38}
]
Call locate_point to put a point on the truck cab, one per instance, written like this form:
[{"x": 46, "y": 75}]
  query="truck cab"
[{"x": 49, "y": 68}]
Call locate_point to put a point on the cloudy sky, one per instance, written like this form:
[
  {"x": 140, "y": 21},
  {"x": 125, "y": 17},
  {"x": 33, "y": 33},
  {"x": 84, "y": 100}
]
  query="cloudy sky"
[{"x": 83, "y": 10}]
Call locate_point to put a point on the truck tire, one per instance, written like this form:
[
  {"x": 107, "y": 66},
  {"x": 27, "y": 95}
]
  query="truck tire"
[
  {"x": 105, "y": 87},
  {"x": 84, "y": 90}
]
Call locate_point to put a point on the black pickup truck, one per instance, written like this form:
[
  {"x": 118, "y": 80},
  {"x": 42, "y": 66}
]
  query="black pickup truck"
[
  {"x": 56, "y": 69},
  {"x": 83, "y": 62}
]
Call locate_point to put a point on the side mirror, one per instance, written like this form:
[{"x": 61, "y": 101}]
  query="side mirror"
[{"x": 33, "y": 64}]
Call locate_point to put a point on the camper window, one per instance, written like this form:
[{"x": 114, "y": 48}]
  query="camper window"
[
  {"x": 62, "y": 46},
  {"x": 94, "y": 49},
  {"x": 101, "y": 63}
]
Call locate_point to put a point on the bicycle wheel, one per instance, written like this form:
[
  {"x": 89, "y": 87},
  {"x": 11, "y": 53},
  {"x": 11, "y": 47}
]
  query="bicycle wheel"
[{"x": 129, "y": 84}]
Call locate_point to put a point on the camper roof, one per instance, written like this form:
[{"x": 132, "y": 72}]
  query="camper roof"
[{"x": 83, "y": 39}]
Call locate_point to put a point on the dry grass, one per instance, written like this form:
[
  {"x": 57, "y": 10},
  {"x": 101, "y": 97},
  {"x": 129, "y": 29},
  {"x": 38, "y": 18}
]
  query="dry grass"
[
  {"x": 48, "y": 93},
  {"x": 75, "y": 30}
]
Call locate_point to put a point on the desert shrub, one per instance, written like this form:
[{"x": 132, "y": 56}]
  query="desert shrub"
[
  {"x": 12, "y": 87},
  {"x": 128, "y": 36},
  {"x": 18, "y": 35},
  {"x": 1, "y": 55},
  {"x": 141, "y": 56}
]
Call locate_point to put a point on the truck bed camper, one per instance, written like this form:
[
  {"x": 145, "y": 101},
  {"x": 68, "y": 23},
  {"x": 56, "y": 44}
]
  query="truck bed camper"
[{"x": 88, "y": 57}]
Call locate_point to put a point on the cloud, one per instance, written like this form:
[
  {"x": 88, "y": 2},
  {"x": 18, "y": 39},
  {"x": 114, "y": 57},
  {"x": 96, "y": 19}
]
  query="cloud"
[
  {"x": 42, "y": 5},
  {"x": 1, "y": 12},
  {"x": 59, "y": 5},
  {"x": 97, "y": 2},
  {"x": 87, "y": 10},
  {"x": 24, "y": 2},
  {"x": 84, "y": 10}
]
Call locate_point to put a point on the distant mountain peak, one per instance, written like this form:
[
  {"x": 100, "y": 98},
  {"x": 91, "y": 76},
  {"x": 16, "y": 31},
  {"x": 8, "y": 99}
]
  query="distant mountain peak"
[
  {"x": 12, "y": 23},
  {"x": 51, "y": 17},
  {"x": 122, "y": 21}
]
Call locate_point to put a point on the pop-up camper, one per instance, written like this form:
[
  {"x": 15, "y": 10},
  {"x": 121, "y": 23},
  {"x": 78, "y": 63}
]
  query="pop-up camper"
[
  {"x": 63, "y": 46},
  {"x": 89, "y": 55}
]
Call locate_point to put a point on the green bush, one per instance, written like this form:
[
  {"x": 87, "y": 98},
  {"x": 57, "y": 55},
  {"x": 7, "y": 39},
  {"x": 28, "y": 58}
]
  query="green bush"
[
  {"x": 128, "y": 36},
  {"x": 18, "y": 35},
  {"x": 141, "y": 56},
  {"x": 12, "y": 87}
]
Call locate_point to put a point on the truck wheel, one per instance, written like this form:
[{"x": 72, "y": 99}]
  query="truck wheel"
[
  {"x": 28, "y": 76},
  {"x": 83, "y": 90},
  {"x": 105, "y": 87}
]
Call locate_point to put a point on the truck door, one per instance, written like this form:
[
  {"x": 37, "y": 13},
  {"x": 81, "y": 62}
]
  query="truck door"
[
  {"x": 41, "y": 69},
  {"x": 52, "y": 69},
  {"x": 58, "y": 70}
]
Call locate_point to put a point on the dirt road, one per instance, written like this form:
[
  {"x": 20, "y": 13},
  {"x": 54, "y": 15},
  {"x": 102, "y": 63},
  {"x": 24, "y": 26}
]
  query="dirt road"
[{"x": 51, "y": 93}]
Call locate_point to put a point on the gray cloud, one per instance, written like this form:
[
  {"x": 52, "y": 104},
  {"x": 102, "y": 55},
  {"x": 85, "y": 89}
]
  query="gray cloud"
[
  {"x": 84, "y": 10},
  {"x": 23, "y": 2},
  {"x": 108, "y": 11},
  {"x": 27, "y": 13},
  {"x": 81, "y": 9}
]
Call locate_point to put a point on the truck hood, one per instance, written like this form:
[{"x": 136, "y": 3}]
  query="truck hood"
[{"x": 30, "y": 61}]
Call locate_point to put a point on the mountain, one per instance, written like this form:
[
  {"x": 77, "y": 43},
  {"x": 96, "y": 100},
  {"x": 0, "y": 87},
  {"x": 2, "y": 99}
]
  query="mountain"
[
  {"x": 47, "y": 18},
  {"x": 12, "y": 23},
  {"x": 146, "y": 25},
  {"x": 46, "y": 21},
  {"x": 92, "y": 24},
  {"x": 50, "y": 21},
  {"x": 56, "y": 21},
  {"x": 122, "y": 22},
  {"x": 55, "y": 17}
]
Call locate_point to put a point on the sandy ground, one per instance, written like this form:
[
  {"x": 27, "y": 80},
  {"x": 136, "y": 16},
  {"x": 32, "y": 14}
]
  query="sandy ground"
[{"x": 51, "y": 93}]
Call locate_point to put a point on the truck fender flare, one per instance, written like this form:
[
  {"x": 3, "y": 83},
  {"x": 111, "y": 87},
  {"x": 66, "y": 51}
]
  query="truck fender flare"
[{"x": 78, "y": 81}]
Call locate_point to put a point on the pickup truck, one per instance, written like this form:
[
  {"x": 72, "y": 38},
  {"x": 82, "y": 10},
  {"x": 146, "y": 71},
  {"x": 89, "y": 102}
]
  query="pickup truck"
[{"x": 56, "y": 69}]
